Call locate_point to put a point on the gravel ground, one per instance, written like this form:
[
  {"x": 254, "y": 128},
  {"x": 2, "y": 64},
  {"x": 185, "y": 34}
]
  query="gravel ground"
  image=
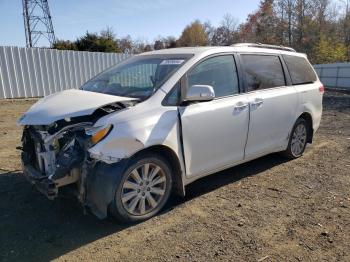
[{"x": 267, "y": 210}]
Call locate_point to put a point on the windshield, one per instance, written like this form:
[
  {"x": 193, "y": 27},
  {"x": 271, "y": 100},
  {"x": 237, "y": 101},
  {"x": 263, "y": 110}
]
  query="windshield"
[{"x": 137, "y": 77}]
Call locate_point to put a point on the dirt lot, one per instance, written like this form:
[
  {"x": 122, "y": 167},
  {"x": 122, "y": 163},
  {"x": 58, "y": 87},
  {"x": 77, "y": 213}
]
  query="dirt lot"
[{"x": 266, "y": 210}]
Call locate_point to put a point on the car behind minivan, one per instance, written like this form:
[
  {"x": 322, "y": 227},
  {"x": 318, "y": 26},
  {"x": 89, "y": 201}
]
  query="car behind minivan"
[{"x": 158, "y": 121}]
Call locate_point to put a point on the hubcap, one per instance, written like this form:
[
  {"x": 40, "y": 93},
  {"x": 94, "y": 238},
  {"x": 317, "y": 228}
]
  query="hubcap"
[
  {"x": 298, "y": 140},
  {"x": 143, "y": 189}
]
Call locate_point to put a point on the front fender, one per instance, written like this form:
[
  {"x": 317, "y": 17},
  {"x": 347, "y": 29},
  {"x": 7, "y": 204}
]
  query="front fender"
[
  {"x": 101, "y": 184},
  {"x": 128, "y": 138}
]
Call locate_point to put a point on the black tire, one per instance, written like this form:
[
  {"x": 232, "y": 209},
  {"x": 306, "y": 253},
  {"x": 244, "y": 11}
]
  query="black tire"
[
  {"x": 289, "y": 152},
  {"x": 118, "y": 209}
]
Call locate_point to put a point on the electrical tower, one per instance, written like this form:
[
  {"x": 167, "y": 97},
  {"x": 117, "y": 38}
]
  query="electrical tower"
[{"x": 37, "y": 22}]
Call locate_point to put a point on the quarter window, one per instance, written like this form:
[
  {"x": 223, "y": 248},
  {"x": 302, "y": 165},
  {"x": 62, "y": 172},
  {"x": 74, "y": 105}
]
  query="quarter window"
[
  {"x": 219, "y": 72},
  {"x": 300, "y": 70},
  {"x": 173, "y": 98},
  {"x": 263, "y": 71}
]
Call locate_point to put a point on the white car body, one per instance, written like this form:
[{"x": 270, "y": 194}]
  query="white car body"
[{"x": 204, "y": 137}]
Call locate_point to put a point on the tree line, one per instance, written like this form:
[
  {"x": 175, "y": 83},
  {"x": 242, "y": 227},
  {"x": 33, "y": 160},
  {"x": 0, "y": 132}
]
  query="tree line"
[{"x": 319, "y": 28}]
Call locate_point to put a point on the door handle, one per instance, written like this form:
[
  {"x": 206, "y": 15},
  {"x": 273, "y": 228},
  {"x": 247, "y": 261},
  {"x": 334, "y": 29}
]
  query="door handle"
[
  {"x": 257, "y": 102},
  {"x": 241, "y": 106}
]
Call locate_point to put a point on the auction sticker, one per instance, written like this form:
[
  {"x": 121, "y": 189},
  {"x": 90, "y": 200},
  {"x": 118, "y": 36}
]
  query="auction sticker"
[{"x": 172, "y": 62}]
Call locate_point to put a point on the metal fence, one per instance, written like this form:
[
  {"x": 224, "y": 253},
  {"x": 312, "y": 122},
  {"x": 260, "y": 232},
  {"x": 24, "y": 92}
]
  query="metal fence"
[
  {"x": 35, "y": 72},
  {"x": 334, "y": 75}
]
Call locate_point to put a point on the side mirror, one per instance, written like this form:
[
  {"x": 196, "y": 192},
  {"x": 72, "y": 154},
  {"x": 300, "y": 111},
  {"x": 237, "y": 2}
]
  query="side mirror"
[{"x": 200, "y": 93}]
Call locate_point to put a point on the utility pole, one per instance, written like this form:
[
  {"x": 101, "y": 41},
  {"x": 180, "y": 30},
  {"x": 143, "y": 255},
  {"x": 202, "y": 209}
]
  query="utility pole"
[{"x": 37, "y": 22}]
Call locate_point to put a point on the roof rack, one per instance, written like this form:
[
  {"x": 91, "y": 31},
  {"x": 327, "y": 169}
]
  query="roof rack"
[{"x": 259, "y": 45}]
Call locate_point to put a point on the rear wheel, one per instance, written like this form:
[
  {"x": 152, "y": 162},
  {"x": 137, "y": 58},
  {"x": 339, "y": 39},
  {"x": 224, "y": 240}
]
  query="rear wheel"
[
  {"x": 143, "y": 190},
  {"x": 298, "y": 140}
]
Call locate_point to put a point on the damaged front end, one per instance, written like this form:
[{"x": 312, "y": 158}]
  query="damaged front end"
[
  {"x": 56, "y": 155},
  {"x": 51, "y": 161}
]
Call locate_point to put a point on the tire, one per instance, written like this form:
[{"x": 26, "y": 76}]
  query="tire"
[
  {"x": 138, "y": 197},
  {"x": 297, "y": 140}
]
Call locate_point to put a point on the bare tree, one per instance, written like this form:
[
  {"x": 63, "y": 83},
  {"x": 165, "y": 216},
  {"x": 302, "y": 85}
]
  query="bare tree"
[
  {"x": 346, "y": 26},
  {"x": 227, "y": 32},
  {"x": 285, "y": 11},
  {"x": 230, "y": 22},
  {"x": 209, "y": 30},
  {"x": 126, "y": 44}
]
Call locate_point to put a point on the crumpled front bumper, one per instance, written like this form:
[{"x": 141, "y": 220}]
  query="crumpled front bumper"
[
  {"x": 101, "y": 182},
  {"x": 47, "y": 185},
  {"x": 44, "y": 185}
]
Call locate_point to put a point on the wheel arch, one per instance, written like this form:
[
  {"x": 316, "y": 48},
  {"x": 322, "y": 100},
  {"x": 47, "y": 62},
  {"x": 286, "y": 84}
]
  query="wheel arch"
[
  {"x": 173, "y": 160},
  {"x": 308, "y": 118},
  {"x": 103, "y": 178}
]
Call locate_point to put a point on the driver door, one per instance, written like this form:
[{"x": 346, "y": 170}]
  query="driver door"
[{"x": 214, "y": 133}]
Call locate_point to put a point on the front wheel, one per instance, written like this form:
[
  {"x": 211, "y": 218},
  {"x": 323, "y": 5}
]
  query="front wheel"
[
  {"x": 298, "y": 140},
  {"x": 143, "y": 190}
]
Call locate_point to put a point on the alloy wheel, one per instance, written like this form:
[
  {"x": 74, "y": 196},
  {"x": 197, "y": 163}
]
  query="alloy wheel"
[
  {"x": 299, "y": 139},
  {"x": 143, "y": 189}
]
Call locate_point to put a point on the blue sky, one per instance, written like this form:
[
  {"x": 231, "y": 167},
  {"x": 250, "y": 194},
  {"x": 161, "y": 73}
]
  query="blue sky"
[{"x": 142, "y": 19}]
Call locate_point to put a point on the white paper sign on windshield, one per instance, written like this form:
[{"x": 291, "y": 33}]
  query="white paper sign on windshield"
[{"x": 172, "y": 62}]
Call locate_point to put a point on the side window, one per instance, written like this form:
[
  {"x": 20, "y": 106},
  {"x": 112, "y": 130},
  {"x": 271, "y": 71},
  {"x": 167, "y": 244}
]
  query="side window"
[
  {"x": 300, "y": 70},
  {"x": 220, "y": 72},
  {"x": 263, "y": 71}
]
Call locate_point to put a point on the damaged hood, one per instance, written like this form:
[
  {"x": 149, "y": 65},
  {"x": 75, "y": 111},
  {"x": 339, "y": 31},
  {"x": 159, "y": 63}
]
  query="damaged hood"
[{"x": 68, "y": 103}]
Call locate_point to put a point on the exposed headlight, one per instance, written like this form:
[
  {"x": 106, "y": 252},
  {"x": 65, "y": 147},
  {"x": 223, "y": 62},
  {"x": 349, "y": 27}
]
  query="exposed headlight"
[{"x": 98, "y": 133}]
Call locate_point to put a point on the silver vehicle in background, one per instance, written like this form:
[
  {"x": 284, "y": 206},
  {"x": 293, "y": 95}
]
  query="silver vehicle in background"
[{"x": 158, "y": 121}]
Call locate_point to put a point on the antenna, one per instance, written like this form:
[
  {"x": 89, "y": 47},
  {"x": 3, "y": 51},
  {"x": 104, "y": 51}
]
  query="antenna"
[{"x": 37, "y": 22}]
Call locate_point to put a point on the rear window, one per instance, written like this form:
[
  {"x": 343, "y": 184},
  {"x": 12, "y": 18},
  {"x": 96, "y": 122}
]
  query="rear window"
[
  {"x": 300, "y": 70},
  {"x": 263, "y": 72}
]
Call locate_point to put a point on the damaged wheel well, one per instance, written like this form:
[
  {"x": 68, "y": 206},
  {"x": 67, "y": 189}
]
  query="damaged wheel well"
[
  {"x": 308, "y": 118},
  {"x": 173, "y": 160}
]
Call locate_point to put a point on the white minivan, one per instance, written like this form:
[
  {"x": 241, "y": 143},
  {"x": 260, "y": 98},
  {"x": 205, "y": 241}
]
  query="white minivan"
[{"x": 158, "y": 121}]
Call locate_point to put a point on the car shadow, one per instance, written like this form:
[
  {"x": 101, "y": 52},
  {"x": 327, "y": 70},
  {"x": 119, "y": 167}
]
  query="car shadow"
[
  {"x": 229, "y": 176},
  {"x": 33, "y": 228}
]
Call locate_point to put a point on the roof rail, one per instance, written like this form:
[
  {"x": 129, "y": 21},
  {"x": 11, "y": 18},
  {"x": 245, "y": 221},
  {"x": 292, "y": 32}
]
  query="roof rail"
[{"x": 259, "y": 45}]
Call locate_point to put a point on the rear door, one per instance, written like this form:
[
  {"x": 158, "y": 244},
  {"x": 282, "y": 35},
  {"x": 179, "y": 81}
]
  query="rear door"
[
  {"x": 214, "y": 133},
  {"x": 273, "y": 104}
]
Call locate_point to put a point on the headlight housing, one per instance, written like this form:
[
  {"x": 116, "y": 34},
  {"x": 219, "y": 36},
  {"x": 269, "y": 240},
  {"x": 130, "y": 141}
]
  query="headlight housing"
[{"x": 98, "y": 133}]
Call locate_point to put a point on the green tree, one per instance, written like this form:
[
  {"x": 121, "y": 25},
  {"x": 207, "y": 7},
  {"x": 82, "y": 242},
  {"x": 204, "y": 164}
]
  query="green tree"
[
  {"x": 104, "y": 42},
  {"x": 326, "y": 51},
  {"x": 194, "y": 35},
  {"x": 64, "y": 45}
]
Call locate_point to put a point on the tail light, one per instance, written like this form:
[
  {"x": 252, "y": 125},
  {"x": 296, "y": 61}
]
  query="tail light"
[{"x": 321, "y": 89}]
